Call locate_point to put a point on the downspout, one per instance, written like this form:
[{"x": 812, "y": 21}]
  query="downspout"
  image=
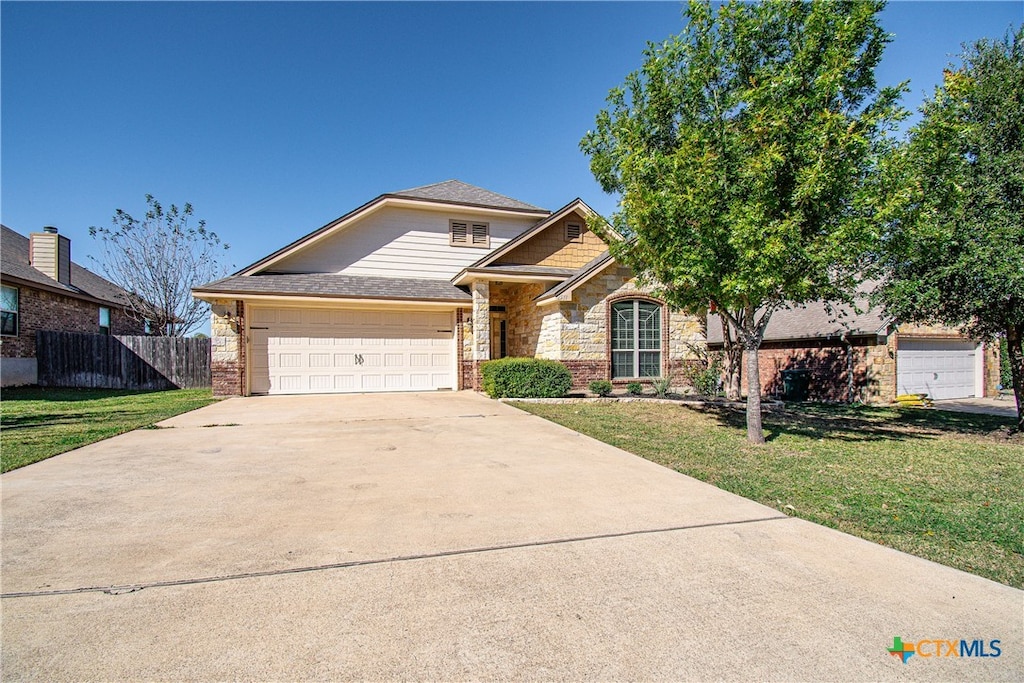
[{"x": 849, "y": 366}]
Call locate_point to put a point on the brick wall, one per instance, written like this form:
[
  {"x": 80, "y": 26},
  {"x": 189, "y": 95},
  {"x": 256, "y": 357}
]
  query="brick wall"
[
  {"x": 828, "y": 362},
  {"x": 586, "y": 371},
  {"x": 42, "y": 310}
]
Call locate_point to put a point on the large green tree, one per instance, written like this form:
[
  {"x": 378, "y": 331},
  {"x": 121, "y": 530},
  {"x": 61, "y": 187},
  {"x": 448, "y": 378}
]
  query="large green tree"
[
  {"x": 745, "y": 155},
  {"x": 956, "y": 254}
]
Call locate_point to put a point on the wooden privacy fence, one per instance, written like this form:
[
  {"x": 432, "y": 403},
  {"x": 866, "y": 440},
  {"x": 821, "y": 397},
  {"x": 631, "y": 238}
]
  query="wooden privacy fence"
[{"x": 100, "y": 361}]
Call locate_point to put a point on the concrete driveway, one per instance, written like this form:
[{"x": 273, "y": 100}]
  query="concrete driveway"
[
  {"x": 446, "y": 537},
  {"x": 1005, "y": 407}
]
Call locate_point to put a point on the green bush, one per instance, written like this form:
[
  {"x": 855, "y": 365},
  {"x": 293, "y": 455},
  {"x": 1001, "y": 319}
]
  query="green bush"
[
  {"x": 525, "y": 378},
  {"x": 661, "y": 386},
  {"x": 705, "y": 378},
  {"x": 635, "y": 388},
  {"x": 601, "y": 387}
]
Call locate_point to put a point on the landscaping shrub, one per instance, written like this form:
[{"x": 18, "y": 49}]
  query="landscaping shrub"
[
  {"x": 705, "y": 378},
  {"x": 635, "y": 388},
  {"x": 525, "y": 378},
  {"x": 601, "y": 387},
  {"x": 661, "y": 386}
]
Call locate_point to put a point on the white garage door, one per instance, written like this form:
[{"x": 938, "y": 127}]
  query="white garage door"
[
  {"x": 939, "y": 368},
  {"x": 316, "y": 351}
]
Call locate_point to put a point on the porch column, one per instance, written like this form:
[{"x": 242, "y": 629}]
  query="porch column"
[
  {"x": 227, "y": 348},
  {"x": 481, "y": 321}
]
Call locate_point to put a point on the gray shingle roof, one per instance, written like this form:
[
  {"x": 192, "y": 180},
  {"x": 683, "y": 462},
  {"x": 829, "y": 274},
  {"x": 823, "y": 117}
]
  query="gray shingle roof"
[
  {"x": 14, "y": 263},
  {"x": 458, "y": 192},
  {"x": 811, "y": 321},
  {"x": 333, "y": 285}
]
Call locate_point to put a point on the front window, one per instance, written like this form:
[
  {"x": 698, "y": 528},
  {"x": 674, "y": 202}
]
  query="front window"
[
  {"x": 9, "y": 311},
  {"x": 636, "y": 339},
  {"x": 104, "y": 320}
]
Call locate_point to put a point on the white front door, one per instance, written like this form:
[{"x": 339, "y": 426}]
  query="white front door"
[{"x": 309, "y": 351}]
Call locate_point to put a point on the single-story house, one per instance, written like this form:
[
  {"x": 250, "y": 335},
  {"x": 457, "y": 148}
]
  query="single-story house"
[
  {"x": 866, "y": 356},
  {"x": 415, "y": 289},
  {"x": 41, "y": 288}
]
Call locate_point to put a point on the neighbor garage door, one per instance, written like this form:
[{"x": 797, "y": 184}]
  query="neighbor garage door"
[
  {"x": 939, "y": 368},
  {"x": 312, "y": 351}
]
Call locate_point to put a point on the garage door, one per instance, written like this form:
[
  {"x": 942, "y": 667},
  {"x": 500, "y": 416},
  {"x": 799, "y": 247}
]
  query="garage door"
[
  {"x": 313, "y": 351},
  {"x": 939, "y": 368}
]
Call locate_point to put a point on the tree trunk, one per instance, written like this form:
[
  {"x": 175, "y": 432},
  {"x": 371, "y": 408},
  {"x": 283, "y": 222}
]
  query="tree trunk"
[
  {"x": 755, "y": 432},
  {"x": 732, "y": 363},
  {"x": 1015, "y": 348}
]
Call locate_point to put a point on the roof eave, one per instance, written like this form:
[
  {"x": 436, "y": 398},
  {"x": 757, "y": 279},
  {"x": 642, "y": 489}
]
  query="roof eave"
[
  {"x": 84, "y": 296},
  {"x": 468, "y": 275},
  {"x": 212, "y": 295}
]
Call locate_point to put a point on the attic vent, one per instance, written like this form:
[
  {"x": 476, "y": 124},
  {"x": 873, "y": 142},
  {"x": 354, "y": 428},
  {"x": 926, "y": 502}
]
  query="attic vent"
[
  {"x": 573, "y": 232},
  {"x": 466, "y": 234}
]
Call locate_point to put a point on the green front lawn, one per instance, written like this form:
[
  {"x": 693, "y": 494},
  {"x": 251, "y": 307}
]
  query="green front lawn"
[
  {"x": 36, "y": 424},
  {"x": 943, "y": 486}
]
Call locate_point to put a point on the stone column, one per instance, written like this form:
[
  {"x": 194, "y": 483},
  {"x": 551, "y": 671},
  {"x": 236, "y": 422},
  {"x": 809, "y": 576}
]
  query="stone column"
[
  {"x": 481, "y": 329},
  {"x": 226, "y": 362},
  {"x": 481, "y": 321}
]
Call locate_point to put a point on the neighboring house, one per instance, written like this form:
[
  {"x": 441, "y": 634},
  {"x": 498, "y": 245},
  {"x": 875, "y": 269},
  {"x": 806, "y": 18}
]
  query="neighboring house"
[
  {"x": 415, "y": 289},
  {"x": 867, "y": 357},
  {"x": 42, "y": 289}
]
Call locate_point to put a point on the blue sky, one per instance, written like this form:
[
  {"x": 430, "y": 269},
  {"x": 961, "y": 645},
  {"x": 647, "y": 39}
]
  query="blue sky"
[{"x": 275, "y": 118}]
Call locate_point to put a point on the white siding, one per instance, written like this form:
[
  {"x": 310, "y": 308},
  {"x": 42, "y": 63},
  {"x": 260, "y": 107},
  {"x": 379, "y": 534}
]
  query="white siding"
[{"x": 399, "y": 242}]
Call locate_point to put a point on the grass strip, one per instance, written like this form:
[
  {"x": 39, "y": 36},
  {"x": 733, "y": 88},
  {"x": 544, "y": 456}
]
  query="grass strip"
[
  {"x": 940, "y": 485},
  {"x": 38, "y": 423}
]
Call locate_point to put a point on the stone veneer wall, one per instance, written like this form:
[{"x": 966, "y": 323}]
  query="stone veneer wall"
[
  {"x": 523, "y": 318},
  {"x": 550, "y": 247},
  {"x": 227, "y": 348},
  {"x": 576, "y": 332}
]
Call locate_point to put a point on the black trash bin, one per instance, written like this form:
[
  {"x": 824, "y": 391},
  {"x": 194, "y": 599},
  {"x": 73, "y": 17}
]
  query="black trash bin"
[{"x": 796, "y": 385}]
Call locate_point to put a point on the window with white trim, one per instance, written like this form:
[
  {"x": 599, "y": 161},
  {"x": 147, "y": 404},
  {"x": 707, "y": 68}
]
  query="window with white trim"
[
  {"x": 469, "y": 234},
  {"x": 636, "y": 339},
  {"x": 9, "y": 311},
  {"x": 104, "y": 320}
]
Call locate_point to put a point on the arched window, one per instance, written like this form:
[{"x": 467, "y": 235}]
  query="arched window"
[{"x": 636, "y": 339}]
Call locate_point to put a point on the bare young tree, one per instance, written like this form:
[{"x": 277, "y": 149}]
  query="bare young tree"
[{"x": 158, "y": 260}]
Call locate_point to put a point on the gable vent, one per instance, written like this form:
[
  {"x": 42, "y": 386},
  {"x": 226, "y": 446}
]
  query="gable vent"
[
  {"x": 468, "y": 234},
  {"x": 480, "y": 234},
  {"x": 459, "y": 232},
  {"x": 573, "y": 232}
]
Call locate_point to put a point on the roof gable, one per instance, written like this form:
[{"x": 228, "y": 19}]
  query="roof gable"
[
  {"x": 499, "y": 255},
  {"x": 449, "y": 194}
]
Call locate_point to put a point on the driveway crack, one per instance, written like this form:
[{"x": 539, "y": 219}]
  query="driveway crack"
[{"x": 135, "y": 587}]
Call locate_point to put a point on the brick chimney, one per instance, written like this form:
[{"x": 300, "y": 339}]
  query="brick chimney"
[{"x": 50, "y": 254}]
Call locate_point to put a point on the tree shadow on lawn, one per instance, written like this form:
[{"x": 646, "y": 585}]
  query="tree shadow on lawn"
[
  {"x": 863, "y": 423},
  {"x": 44, "y": 418},
  {"x": 35, "y": 393}
]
